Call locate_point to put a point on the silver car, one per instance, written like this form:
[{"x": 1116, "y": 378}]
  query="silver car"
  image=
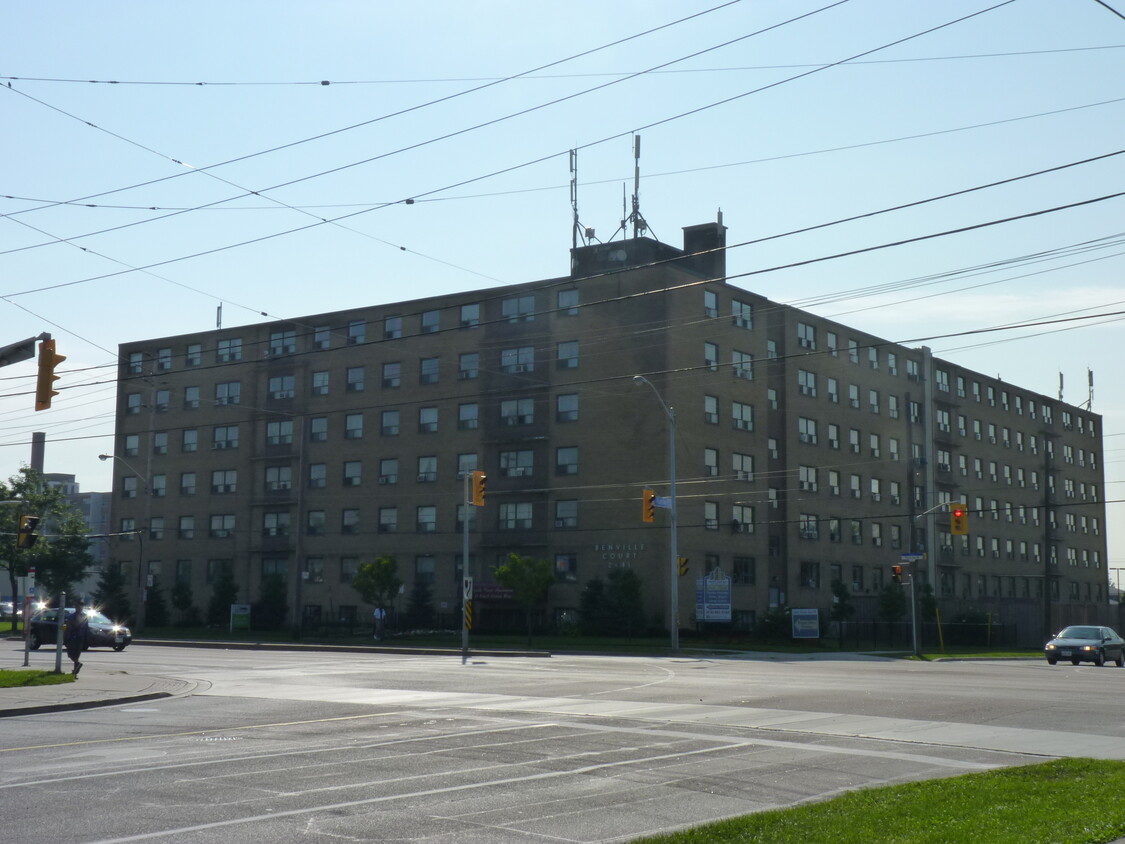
[{"x": 1086, "y": 643}]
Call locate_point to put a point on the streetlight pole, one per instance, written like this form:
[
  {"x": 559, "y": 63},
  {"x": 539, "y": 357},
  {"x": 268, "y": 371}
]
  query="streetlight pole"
[{"x": 673, "y": 552}]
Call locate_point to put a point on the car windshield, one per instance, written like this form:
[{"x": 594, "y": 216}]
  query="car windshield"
[
  {"x": 97, "y": 617},
  {"x": 1081, "y": 633}
]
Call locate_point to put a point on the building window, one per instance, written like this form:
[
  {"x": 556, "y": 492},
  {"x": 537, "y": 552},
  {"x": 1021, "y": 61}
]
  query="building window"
[
  {"x": 275, "y": 524},
  {"x": 517, "y": 464},
  {"x": 518, "y": 309},
  {"x": 191, "y": 398},
  {"x": 353, "y": 473},
  {"x": 743, "y": 466},
  {"x": 357, "y": 332},
  {"x": 392, "y": 328},
  {"x": 742, "y": 518},
  {"x": 354, "y": 378},
  {"x": 742, "y": 365},
  {"x": 388, "y": 470},
  {"x": 228, "y": 392},
  {"x": 349, "y": 521},
  {"x": 742, "y": 314},
  {"x": 468, "y": 416},
  {"x": 353, "y": 426},
  {"x": 468, "y": 365},
  {"x": 318, "y": 429},
  {"x": 133, "y": 404},
  {"x": 322, "y": 337},
  {"x": 744, "y": 571},
  {"x": 567, "y": 302},
  {"x": 566, "y": 460},
  {"x": 314, "y": 523},
  {"x": 470, "y": 315},
  {"x": 225, "y": 437},
  {"x": 806, "y": 430},
  {"x": 806, "y": 335},
  {"x": 193, "y": 355},
  {"x": 711, "y": 356},
  {"x": 275, "y": 567},
  {"x": 222, "y": 526},
  {"x": 566, "y": 567},
  {"x": 349, "y": 568},
  {"x": 427, "y": 420},
  {"x": 427, "y": 469},
  {"x": 810, "y": 574},
  {"x": 566, "y": 407},
  {"x": 319, "y": 383},
  {"x": 186, "y": 528},
  {"x": 279, "y": 433},
  {"x": 388, "y": 519},
  {"x": 283, "y": 342},
  {"x": 160, "y": 442},
  {"x": 224, "y": 481},
  {"x": 389, "y": 423},
  {"x": 711, "y": 410},
  {"x": 429, "y": 371},
  {"x": 515, "y": 516},
  {"x": 566, "y": 514},
  {"x": 517, "y": 360},
  {"x": 568, "y": 355},
  {"x": 742, "y": 416},
  {"x": 279, "y": 478},
  {"x": 189, "y": 440},
  {"x": 159, "y": 486},
  {"x": 318, "y": 475},
  {"x": 431, "y": 322},
  {"x": 426, "y": 518},
  {"x": 711, "y": 515},
  {"x": 187, "y": 483},
  {"x": 229, "y": 350},
  {"x": 392, "y": 375},
  {"x": 517, "y": 411}
]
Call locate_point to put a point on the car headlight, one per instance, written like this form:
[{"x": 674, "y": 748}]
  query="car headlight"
[
  {"x": 1087, "y": 647},
  {"x": 1050, "y": 647}
]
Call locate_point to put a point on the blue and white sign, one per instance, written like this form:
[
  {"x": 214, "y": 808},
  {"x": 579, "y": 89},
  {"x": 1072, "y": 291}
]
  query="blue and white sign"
[
  {"x": 806, "y": 624},
  {"x": 712, "y": 597}
]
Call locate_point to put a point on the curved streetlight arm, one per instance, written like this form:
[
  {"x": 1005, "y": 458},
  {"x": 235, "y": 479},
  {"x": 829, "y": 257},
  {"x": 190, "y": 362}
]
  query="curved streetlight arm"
[{"x": 127, "y": 465}]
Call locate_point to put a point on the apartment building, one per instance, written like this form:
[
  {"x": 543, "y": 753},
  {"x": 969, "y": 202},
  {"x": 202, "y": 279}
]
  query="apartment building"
[{"x": 806, "y": 451}]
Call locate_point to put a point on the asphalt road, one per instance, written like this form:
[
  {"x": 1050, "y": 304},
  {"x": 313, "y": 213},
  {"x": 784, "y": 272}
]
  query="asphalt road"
[{"x": 280, "y": 747}]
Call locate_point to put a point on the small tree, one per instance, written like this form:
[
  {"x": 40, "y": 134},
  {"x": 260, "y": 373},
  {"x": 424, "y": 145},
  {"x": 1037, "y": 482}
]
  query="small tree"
[
  {"x": 892, "y": 603},
  {"x": 593, "y": 608},
  {"x": 529, "y": 579},
  {"x": 377, "y": 583},
  {"x": 420, "y": 605},
  {"x": 625, "y": 603},
  {"x": 224, "y": 592},
  {"x": 156, "y": 608},
  {"x": 842, "y": 606},
  {"x": 184, "y": 604},
  {"x": 272, "y": 606},
  {"x": 110, "y": 594}
]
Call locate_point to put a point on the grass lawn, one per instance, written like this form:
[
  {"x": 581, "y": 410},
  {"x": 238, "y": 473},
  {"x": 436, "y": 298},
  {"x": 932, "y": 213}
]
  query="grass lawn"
[
  {"x": 1068, "y": 801},
  {"x": 15, "y": 678}
]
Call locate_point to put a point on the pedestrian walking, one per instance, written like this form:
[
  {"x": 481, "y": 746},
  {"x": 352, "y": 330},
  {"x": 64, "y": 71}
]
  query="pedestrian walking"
[
  {"x": 77, "y": 636},
  {"x": 380, "y": 615}
]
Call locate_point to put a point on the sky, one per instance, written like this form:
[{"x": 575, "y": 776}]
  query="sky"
[{"x": 161, "y": 160}]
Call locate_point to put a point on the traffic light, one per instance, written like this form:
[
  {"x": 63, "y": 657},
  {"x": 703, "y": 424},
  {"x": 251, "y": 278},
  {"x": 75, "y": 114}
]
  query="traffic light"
[
  {"x": 959, "y": 521},
  {"x": 682, "y": 562},
  {"x": 477, "y": 480},
  {"x": 45, "y": 384},
  {"x": 26, "y": 535},
  {"x": 648, "y": 505},
  {"x": 896, "y": 574}
]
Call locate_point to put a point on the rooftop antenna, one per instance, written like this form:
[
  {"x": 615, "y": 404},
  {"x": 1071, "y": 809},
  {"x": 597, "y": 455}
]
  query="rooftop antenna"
[
  {"x": 1090, "y": 388},
  {"x": 1060, "y": 386},
  {"x": 219, "y": 316},
  {"x": 639, "y": 224}
]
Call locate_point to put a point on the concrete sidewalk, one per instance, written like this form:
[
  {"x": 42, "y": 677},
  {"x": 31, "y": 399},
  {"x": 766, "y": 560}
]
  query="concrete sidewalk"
[{"x": 95, "y": 686}]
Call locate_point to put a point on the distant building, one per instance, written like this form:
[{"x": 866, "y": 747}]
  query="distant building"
[
  {"x": 807, "y": 451},
  {"x": 95, "y": 509}
]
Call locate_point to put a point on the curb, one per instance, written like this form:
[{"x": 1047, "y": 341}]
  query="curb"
[{"x": 88, "y": 704}]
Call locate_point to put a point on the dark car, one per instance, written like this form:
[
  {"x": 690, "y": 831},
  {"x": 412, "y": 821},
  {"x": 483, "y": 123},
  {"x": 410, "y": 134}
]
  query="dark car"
[
  {"x": 1086, "y": 643},
  {"x": 8, "y": 610},
  {"x": 42, "y": 630}
]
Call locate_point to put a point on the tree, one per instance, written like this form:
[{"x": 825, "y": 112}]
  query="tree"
[
  {"x": 184, "y": 603},
  {"x": 842, "y": 606},
  {"x": 529, "y": 579},
  {"x": 615, "y": 608},
  {"x": 224, "y": 592},
  {"x": 272, "y": 606},
  {"x": 593, "y": 608},
  {"x": 110, "y": 594},
  {"x": 377, "y": 583},
  {"x": 156, "y": 608},
  {"x": 420, "y": 605},
  {"x": 61, "y": 555},
  {"x": 892, "y": 603}
]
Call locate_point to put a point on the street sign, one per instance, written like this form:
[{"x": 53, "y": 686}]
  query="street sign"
[
  {"x": 663, "y": 501},
  {"x": 911, "y": 558},
  {"x": 468, "y": 589}
]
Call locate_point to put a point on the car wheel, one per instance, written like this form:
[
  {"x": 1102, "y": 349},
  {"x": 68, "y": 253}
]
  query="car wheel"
[
  {"x": 1099, "y": 659},
  {"x": 1051, "y": 660},
  {"x": 33, "y": 641},
  {"x": 1075, "y": 661},
  {"x": 119, "y": 647}
]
